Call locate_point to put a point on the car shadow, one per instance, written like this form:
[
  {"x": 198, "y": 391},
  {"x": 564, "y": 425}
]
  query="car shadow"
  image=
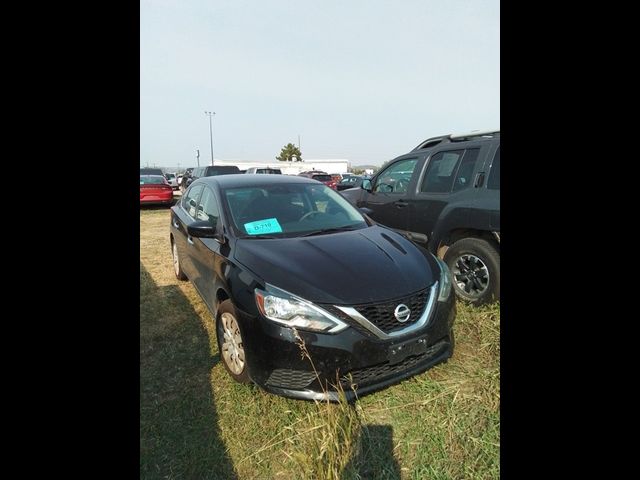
[
  {"x": 179, "y": 432},
  {"x": 375, "y": 459}
]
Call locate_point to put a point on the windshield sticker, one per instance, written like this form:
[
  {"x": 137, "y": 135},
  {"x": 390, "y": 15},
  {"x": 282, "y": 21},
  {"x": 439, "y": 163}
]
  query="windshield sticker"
[{"x": 260, "y": 227}]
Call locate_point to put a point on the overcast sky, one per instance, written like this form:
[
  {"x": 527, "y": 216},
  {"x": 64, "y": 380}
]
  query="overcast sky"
[{"x": 361, "y": 80}]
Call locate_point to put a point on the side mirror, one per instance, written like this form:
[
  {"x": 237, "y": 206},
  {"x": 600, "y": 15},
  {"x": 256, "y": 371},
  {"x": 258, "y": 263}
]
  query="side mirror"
[
  {"x": 202, "y": 229},
  {"x": 366, "y": 211},
  {"x": 366, "y": 185}
]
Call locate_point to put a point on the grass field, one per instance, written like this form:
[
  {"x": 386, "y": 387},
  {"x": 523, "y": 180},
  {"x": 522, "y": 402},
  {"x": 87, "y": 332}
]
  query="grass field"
[{"x": 196, "y": 423}]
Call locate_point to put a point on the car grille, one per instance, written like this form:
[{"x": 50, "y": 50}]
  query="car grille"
[
  {"x": 369, "y": 375},
  {"x": 286, "y": 378},
  {"x": 382, "y": 314}
]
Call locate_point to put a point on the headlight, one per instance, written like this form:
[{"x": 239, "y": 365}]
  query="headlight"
[
  {"x": 445, "y": 281},
  {"x": 286, "y": 309}
]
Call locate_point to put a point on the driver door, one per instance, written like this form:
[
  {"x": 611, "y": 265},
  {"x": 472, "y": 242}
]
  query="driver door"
[{"x": 391, "y": 189}]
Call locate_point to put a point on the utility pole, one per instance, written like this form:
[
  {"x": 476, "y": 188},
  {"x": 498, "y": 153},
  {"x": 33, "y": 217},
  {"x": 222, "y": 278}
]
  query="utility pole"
[
  {"x": 198, "y": 156},
  {"x": 299, "y": 142},
  {"x": 210, "y": 115}
]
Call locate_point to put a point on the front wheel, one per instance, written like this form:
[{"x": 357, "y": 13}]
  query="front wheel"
[
  {"x": 475, "y": 268},
  {"x": 231, "y": 343},
  {"x": 177, "y": 266}
]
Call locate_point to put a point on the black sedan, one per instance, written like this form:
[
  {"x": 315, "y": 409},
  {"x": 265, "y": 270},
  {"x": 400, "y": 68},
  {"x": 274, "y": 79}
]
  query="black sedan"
[{"x": 282, "y": 260}]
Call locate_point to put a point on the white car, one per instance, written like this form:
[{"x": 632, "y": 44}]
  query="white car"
[
  {"x": 265, "y": 170},
  {"x": 173, "y": 181}
]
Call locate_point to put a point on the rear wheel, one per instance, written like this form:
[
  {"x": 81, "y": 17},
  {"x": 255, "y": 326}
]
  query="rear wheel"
[
  {"x": 475, "y": 268},
  {"x": 231, "y": 343}
]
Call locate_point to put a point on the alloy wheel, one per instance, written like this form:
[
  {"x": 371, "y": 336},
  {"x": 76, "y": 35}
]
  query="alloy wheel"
[
  {"x": 176, "y": 260},
  {"x": 232, "y": 347},
  {"x": 471, "y": 275}
]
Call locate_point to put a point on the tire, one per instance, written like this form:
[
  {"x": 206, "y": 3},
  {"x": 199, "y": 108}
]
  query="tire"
[
  {"x": 475, "y": 268},
  {"x": 177, "y": 266},
  {"x": 230, "y": 345}
]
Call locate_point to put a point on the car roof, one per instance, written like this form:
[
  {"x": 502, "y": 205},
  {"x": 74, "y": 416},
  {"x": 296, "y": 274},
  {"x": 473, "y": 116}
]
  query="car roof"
[{"x": 251, "y": 180}]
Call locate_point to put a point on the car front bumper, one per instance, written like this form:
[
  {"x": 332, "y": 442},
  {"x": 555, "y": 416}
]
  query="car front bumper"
[{"x": 354, "y": 361}]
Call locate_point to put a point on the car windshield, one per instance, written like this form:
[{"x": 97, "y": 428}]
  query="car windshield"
[
  {"x": 322, "y": 178},
  {"x": 151, "y": 180},
  {"x": 290, "y": 210},
  {"x": 170, "y": 176}
]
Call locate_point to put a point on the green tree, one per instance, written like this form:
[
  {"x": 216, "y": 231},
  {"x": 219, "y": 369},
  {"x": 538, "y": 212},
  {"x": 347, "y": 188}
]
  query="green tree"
[{"x": 289, "y": 151}]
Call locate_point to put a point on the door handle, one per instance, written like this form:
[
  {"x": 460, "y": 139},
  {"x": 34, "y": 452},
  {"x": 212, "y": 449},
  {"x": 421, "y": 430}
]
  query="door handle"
[
  {"x": 401, "y": 204},
  {"x": 190, "y": 240}
]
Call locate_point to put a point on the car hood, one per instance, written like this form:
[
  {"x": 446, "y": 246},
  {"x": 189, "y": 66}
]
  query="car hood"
[{"x": 344, "y": 268}]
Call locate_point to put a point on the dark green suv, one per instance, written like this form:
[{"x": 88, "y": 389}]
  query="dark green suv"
[{"x": 445, "y": 193}]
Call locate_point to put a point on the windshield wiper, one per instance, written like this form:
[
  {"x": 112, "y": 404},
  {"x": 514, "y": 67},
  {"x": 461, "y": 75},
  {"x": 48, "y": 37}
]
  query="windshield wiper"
[
  {"x": 258, "y": 236},
  {"x": 329, "y": 230}
]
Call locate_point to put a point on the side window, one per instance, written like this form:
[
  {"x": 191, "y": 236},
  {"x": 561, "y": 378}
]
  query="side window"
[
  {"x": 190, "y": 200},
  {"x": 441, "y": 171},
  {"x": 465, "y": 171},
  {"x": 208, "y": 208},
  {"x": 494, "y": 175},
  {"x": 396, "y": 178}
]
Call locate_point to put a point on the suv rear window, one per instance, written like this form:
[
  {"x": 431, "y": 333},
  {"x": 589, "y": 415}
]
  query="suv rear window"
[
  {"x": 322, "y": 178},
  {"x": 222, "y": 170}
]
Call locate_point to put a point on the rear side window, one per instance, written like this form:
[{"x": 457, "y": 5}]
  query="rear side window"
[
  {"x": 190, "y": 200},
  {"x": 441, "y": 172},
  {"x": 465, "y": 170},
  {"x": 494, "y": 174}
]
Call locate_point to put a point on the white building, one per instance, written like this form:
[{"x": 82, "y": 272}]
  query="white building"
[{"x": 291, "y": 168}]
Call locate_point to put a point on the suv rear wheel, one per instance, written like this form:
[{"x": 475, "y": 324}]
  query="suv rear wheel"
[{"x": 475, "y": 267}]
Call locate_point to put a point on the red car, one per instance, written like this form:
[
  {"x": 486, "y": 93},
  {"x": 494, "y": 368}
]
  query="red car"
[
  {"x": 155, "y": 190},
  {"x": 321, "y": 177}
]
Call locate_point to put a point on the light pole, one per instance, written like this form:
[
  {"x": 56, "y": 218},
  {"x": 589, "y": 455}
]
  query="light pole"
[
  {"x": 198, "y": 156},
  {"x": 210, "y": 115}
]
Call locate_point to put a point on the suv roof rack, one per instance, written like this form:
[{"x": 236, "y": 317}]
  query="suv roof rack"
[{"x": 458, "y": 137}]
